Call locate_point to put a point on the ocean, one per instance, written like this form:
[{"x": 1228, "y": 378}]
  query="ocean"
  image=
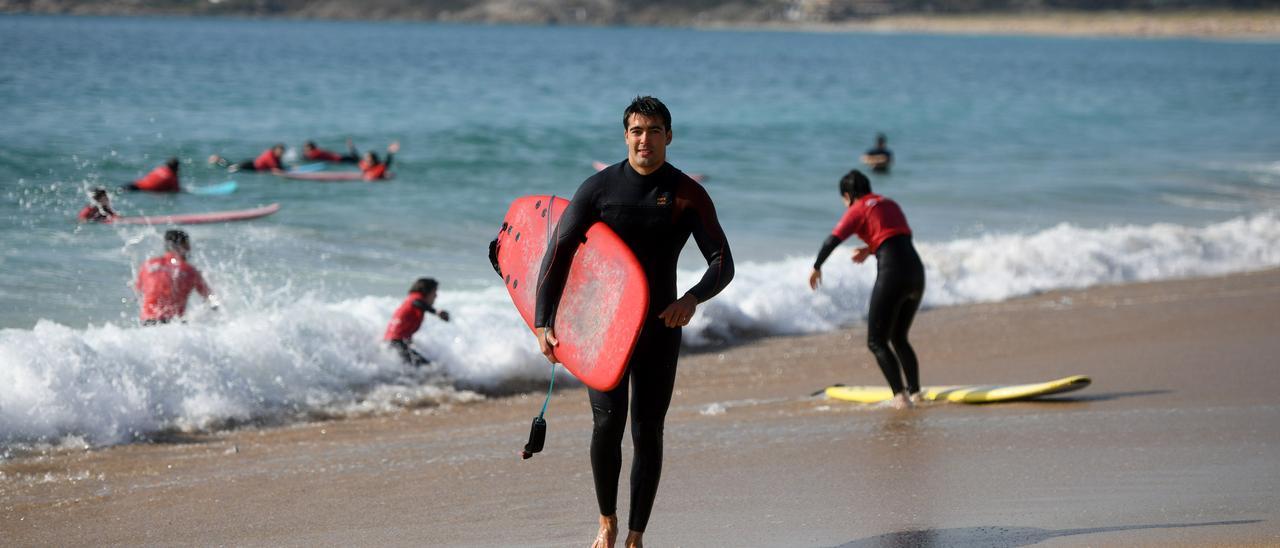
[{"x": 1024, "y": 165}]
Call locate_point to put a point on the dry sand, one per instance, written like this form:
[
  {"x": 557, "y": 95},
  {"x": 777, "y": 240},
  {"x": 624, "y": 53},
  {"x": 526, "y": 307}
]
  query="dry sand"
[{"x": 1176, "y": 443}]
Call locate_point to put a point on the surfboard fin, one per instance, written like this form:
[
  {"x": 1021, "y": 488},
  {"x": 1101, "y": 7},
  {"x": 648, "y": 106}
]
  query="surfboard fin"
[{"x": 537, "y": 435}]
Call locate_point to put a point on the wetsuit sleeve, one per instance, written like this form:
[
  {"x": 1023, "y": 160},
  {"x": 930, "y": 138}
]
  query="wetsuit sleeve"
[
  {"x": 828, "y": 246},
  {"x": 574, "y": 222},
  {"x": 202, "y": 287},
  {"x": 423, "y": 306},
  {"x": 390, "y": 157},
  {"x": 711, "y": 242}
]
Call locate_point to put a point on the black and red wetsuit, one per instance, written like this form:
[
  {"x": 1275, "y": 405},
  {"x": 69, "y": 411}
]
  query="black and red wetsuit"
[
  {"x": 378, "y": 171},
  {"x": 899, "y": 288},
  {"x": 404, "y": 323},
  {"x": 654, "y": 215},
  {"x": 96, "y": 213},
  {"x": 160, "y": 179},
  {"x": 321, "y": 155}
]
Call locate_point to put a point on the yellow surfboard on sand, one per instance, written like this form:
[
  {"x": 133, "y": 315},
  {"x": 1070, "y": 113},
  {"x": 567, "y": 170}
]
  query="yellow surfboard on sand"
[{"x": 974, "y": 393}]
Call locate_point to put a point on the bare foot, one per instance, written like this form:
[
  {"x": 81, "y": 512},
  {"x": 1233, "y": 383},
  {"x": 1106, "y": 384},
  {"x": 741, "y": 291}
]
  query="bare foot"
[
  {"x": 917, "y": 398},
  {"x": 633, "y": 540},
  {"x": 608, "y": 533},
  {"x": 901, "y": 401}
]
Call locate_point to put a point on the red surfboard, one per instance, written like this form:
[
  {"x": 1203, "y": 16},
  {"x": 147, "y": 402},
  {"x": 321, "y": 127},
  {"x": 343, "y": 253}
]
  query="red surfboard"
[
  {"x": 328, "y": 176},
  {"x": 605, "y": 295},
  {"x": 198, "y": 218},
  {"x": 697, "y": 177}
]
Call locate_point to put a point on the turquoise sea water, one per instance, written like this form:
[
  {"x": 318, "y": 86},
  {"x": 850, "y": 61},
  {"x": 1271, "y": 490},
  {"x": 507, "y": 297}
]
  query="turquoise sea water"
[{"x": 1024, "y": 164}]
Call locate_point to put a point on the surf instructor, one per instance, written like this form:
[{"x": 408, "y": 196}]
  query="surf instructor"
[
  {"x": 654, "y": 208},
  {"x": 880, "y": 223}
]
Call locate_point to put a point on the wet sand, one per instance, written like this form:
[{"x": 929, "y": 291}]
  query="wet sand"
[{"x": 1177, "y": 442}]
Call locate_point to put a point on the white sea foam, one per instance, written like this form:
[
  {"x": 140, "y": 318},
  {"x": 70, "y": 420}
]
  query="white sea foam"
[{"x": 268, "y": 357}]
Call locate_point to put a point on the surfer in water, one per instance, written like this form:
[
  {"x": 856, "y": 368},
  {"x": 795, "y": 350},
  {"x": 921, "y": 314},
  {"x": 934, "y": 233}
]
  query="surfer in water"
[
  {"x": 408, "y": 318},
  {"x": 165, "y": 282},
  {"x": 880, "y": 223},
  {"x": 269, "y": 160},
  {"x": 654, "y": 208},
  {"x": 879, "y": 157},
  {"x": 161, "y": 179},
  {"x": 316, "y": 154},
  {"x": 374, "y": 169},
  {"x": 100, "y": 210}
]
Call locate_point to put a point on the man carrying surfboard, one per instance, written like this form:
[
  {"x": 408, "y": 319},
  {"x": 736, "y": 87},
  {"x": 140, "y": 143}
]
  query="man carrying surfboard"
[
  {"x": 165, "y": 282},
  {"x": 654, "y": 208},
  {"x": 880, "y": 223}
]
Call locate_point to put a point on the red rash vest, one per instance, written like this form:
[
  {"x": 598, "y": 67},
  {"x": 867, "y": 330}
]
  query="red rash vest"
[
  {"x": 407, "y": 318},
  {"x": 874, "y": 219},
  {"x": 266, "y": 161},
  {"x": 161, "y": 179},
  {"x": 165, "y": 283}
]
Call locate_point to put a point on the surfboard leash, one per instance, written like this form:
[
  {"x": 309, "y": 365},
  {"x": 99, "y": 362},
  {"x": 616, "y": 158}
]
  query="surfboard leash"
[{"x": 538, "y": 431}]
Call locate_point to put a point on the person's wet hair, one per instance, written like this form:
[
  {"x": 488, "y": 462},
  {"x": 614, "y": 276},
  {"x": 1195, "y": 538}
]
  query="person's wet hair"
[
  {"x": 173, "y": 163},
  {"x": 373, "y": 157},
  {"x": 176, "y": 240},
  {"x": 647, "y": 106},
  {"x": 855, "y": 184},
  {"x": 880, "y": 139},
  {"x": 99, "y": 194},
  {"x": 309, "y": 145},
  {"x": 424, "y": 286}
]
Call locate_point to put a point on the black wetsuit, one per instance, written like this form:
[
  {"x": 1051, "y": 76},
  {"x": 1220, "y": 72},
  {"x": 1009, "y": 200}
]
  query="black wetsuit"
[
  {"x": 654, "y": 215},
  {"x": 894, "y": 301}
]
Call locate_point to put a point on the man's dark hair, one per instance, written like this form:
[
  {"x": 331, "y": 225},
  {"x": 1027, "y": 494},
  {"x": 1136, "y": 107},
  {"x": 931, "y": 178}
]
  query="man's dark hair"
[
  {"x": 373, "y": 157},
  {"x": 880, "y": 138},
  {"x": 424, "y": 286},
  {"x": 176, "y": 239},
  {"x": 99, "y": 193},
  {"x": 173, "y": 163},
  {"x": 647, "y": 106},
  {"x": 855, "y": 184},
  {"x": 309, "y": 144}
]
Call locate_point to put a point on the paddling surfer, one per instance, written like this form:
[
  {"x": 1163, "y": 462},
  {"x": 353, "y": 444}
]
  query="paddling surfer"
[
  {"x": 270, "y": 160},
  {"x": 408, "y": 318},
  {"x": 899, "y": 288},
  {"x": 100, "y": 210},
  {"x": 161, "y": 179},
  {"x": 374, "y": 169},
  {"x": 654, "y": 208},
  {"x": 316, "y": 154},
  {"x": 165, "y": 282}
]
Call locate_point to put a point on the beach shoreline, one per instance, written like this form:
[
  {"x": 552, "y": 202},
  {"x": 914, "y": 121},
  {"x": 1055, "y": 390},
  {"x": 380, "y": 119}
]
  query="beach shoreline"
[
  {"x": 1171, "y": 445},
  {"x": 1242, "y": 24}
]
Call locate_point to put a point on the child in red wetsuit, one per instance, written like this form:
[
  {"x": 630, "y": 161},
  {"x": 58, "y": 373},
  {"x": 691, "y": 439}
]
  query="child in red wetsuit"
[
  {"x": 161, "y": 179},
  {"x": 408, "y": 318},
  {"x": 100, "y": 210},
  {"x": 270, "y": 160},
  {"x": 166, "y": 281},
  {"x": 374, "y": 169}
]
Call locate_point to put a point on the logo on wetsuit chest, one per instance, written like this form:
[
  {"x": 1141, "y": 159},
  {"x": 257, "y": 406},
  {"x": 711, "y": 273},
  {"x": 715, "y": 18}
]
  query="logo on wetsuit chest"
[{"x": 664, "y": 198}]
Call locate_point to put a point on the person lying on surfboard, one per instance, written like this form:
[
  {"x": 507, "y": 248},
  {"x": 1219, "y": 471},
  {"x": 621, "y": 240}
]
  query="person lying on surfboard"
[
  {"x": 899, "y": 287},
  {"x": 374, "y": 169},
  {"x": 269, "y": 160},
  {"x": 161, "y": 179},
  {"x": 100, "y": 210},
  {"x": 654, "y": 208},
  {"x": 316, "y": 154},
  {"x": 408, "y": 318},
  {"x": 165, "y": 282}
]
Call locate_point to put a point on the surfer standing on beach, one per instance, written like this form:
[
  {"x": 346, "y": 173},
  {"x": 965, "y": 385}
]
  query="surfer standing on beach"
[
  {"x": 166, "y": 282},
  {"x": 654, "y": 208},
  {"x": 899, "y": 288}
]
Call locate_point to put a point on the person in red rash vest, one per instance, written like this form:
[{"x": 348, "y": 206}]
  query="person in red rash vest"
[
  {"x": 269, "y": 160},
  {"x": 161, "y": 179},
  {"x": 374, "y": 169},
  {"x": 165, "y": 282},
  {"x": 899, "y": 287},
  {"x": 316, "y": 154},
  {"x": 100, "y": 210},
  {"x": 408, "y": 318}
]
